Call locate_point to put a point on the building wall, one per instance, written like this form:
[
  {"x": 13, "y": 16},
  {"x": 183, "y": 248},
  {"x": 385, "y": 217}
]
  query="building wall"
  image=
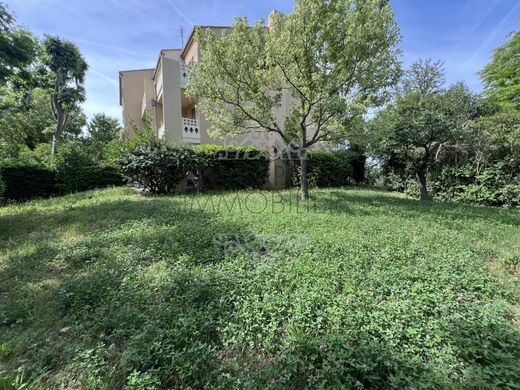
[
  {"x": 171, "y": 70},
  {"x": 132, "y": 88},
  {"x": 172, "y": 106}
]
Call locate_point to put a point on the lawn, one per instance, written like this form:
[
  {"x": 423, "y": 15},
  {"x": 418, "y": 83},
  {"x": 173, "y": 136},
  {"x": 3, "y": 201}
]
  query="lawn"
[{"x": 356, "y": 289}]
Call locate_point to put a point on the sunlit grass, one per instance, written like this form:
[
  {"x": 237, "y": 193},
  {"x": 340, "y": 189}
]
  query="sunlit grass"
[{"x": 112, "y": 288}]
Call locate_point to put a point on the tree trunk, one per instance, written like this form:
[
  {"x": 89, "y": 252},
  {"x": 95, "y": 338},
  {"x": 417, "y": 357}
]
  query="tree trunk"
[
  {"x": 304, "y": 185},
  {"x": 56, "y": 137},
  {"x": 421, "y": 181}
]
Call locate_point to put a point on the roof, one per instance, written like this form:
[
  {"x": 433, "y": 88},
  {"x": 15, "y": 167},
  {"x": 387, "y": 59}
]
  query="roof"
[
  {"x": 159, "y": 59},
  {"x": 135, "y": 70}
]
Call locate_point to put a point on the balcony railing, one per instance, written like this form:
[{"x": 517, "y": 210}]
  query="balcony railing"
[
  {"x": 190, "y": 130},
  {"x": 183, "y": 74}
]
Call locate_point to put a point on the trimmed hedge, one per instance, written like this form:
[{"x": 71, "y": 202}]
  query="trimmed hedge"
[
  {"x": 87, "y": 178},
  {"x": 232, "y": 167},
  {"x": 24, "y": 183},
  {"x": 324, "y": 169}
]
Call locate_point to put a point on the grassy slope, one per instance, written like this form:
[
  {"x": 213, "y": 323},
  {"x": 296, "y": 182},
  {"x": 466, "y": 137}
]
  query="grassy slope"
[{"x": 359, "y": 288}]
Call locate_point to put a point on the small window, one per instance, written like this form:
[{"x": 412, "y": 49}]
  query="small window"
[{"x": 193, "y": 113}]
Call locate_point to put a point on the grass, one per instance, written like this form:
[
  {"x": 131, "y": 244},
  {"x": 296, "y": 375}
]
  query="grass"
[{"x": 356, "y": 289}]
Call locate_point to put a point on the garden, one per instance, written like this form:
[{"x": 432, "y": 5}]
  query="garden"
[
  {"x": 111, "y": 289},
  {"x": 389, "y": 260}
]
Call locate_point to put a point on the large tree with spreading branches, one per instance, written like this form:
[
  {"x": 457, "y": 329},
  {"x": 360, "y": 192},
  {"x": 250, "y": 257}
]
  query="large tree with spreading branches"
[{"x": 331, "y": 60}]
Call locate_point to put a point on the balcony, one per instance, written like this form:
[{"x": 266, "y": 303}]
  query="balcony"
[
  {"x": 183, "y": 74},
  {"x": 190, "y": 130}
]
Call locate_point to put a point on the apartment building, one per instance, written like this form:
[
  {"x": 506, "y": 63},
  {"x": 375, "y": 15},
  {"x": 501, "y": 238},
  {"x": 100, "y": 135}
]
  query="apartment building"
[{"x": 161, "y": 93}]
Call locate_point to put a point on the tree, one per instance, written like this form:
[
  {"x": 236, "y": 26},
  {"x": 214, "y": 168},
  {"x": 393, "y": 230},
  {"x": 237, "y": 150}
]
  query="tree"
[
  {"x": 102, "y": 130},
  {"x": 63, "y": 69},
  {"x": 501, "y": 77},
  {"x": 33, "y": 124},
  {"x": 331, "y": 59},
  {"x": 422, "y": 122},
  {"x": 17, "y": 46}
]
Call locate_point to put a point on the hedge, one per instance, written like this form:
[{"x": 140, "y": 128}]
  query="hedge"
[
  {"x": 324, "y": 169},
  {"x": 2, "y": 188},
  {"x": 23, "y": 183},
  {"x": 232, "y": 167},
  {"x": 87, "y": 178}
]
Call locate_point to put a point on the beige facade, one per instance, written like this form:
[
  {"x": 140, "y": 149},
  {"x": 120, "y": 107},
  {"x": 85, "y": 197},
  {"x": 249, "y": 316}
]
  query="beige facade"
[{"x": 160, "y": 92}]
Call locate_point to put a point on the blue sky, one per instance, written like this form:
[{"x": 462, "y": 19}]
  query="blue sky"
[{"x": 116, "y": 35}]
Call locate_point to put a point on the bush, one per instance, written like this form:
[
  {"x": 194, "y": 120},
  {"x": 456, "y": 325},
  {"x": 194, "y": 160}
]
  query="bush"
[
  {"x": 71, "y": 156},
  {"x": 158, "y": 167},
  {"x": 87, "y": 178},
  {"x": 231, "y": 167},
  {"x": 324, "y": 169},
  {"x": 495, "y": 186},
  {"x": 26, "y": 182}
]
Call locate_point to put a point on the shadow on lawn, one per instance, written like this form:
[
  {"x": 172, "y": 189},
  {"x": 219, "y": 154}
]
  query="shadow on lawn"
[
  {"x": 103, "y": 285},
  {"x": 142, "y": 289}
]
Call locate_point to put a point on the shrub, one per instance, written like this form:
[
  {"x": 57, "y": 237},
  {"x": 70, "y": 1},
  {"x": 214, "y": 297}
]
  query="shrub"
[
  {"x": 495, "y": 186},
  {"x": 324, "y": 169},
  {"x": 232, "y": 167},
  {"x": 87, "y": 178},
  {"x": 27, "y": 182},
  {"x": 72, "y": 156},
  {"x": 156, "y": 166}
]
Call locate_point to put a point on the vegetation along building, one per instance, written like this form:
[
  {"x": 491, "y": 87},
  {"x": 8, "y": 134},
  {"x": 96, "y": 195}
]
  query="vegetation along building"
[{"x": 161, "y": 92}]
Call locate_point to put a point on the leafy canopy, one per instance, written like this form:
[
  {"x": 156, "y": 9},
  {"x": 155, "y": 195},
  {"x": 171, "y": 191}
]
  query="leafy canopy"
[
  {"x": 17, "y": 46},
  {"x": 501, "y": 77},
  {"x": 328, "y": 61}
]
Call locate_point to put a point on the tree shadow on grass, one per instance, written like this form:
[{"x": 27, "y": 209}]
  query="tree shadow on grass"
[
  {"x": 142, "y": 289},
  {"x": 137, "y": 273}
]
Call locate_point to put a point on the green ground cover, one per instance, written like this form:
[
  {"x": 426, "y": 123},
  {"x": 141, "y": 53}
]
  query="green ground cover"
[{"x": 357, "y": 289}]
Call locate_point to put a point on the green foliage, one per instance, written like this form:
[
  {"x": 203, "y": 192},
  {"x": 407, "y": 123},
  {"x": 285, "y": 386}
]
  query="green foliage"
[
  {"x": 356, "y": 158},
  {"x": 157, "y": 166},
  {"x": 325, "y": 169},
  {"x": 71, "y": 156},
  {"x": 231, "y": 167},
  {"x": 495, "y": 186},
  {"x": 2, "y": 188},
  {"x": 412, "y": 132},
  {"x": 501, "y": 77},
  {"x": 62, "y": 70},
  {"x": 27, "y": 182},
  {"x": 331, "y": 59},
  {"x": 359, "y": 289},
  {"x": 85, "y": 178},
  {"x": 17, "y": 46},
  {"x": 39, "y": 156},
  {"x": 26, "y": 127},
  {"x": 103, "y": 132}
]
